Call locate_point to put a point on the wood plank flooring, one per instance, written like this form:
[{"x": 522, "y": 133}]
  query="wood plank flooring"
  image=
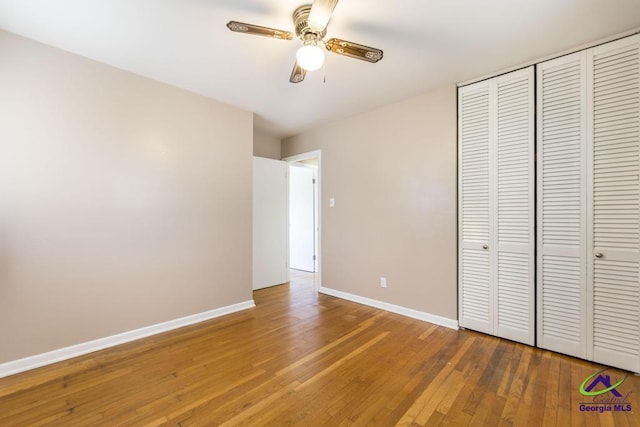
[{"x": 304, "y": 359}]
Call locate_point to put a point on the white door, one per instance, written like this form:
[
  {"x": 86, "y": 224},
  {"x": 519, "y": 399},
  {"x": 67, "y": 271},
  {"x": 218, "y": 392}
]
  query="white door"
[
  {"x": 589, "y": 204},
  {"x": 562, "y": 283},
  {"x": 614, "y": 201},
  {"x": 474, "y": 222},
  {"x": 270, "y": 218},
  {"x": 302, "y": 224},
  {"x": 514, "y": 206},
  {"x": 496, "y": 216}
]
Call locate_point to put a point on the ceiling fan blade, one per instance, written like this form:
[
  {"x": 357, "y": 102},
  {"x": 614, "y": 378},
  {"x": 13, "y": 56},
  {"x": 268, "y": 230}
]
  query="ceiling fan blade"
[
  {"x": 298, "y": 73},
  {"x": 354, "y": 50},
  {"x": 320, "y": 15},
  {"x": 241, "y": 27}
]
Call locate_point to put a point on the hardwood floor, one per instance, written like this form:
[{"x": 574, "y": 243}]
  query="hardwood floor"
[{"x": 300, "y": 358}]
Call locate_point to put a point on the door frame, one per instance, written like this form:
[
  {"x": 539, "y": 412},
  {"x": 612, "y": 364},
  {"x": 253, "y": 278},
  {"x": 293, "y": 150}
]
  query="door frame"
[
  {"x": 311, "y": 169},
  {"x": 316, "y": 154}
]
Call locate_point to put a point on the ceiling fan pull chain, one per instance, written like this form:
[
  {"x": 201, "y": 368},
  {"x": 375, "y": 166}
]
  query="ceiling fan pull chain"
[{"x": 324, "y": 72}]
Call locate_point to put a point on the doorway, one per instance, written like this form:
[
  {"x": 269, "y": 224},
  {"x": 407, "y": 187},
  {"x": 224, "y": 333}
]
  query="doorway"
[{"x": 304, "y": 214}]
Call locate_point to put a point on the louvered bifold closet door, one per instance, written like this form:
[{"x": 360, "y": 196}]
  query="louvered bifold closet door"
[
  {"x": 473, "y": 204},
  {"x": 615, "y": 233},
  {"x": 561, "y": 207},
  {"x": 515, "y": 305}
]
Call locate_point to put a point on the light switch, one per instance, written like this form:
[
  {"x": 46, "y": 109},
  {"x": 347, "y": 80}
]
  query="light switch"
[{"x": 332, "y": 202}]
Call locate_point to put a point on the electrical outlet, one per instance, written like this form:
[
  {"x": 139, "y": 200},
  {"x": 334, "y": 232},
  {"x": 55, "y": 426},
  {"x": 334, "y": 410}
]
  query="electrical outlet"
[{"x": 383, "y": 282}]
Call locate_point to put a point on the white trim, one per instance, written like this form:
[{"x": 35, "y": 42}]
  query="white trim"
[
  {"x": 304, "y": 156},
  {"x": 316, "y": 154},
  {"x": 39, "y": 360},
  {"x": 587, "y": 225},
  {"x": 415, "y": 314},
  {"x": 494, "y": 247},
  {"x": 550, "y": 57}
]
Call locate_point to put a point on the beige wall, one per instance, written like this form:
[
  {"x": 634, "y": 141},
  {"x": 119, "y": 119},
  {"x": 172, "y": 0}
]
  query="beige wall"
[
  {"x": 392, "y": 172},
  {"x": 124, "y": 202},
  {"x": 266, "y": 145}
]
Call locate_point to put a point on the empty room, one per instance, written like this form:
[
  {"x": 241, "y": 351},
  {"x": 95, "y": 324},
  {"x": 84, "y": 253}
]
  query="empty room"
[{"x": 321, "y": 213}]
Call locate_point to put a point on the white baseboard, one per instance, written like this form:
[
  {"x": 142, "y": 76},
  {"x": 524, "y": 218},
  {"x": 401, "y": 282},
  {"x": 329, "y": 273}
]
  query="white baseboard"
[
  {"x": 32, "y": 362},
  {"x": 420, "y": 315}
]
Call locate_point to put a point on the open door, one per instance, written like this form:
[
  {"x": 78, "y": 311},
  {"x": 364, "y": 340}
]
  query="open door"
[{"x": 270, "y": 223}]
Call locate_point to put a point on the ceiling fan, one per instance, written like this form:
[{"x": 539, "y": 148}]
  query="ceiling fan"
[{"x": 310, "y": 21}]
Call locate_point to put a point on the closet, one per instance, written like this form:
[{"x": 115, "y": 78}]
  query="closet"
[
  {"x": 589, "y": 205},
  {"x": 586, "y": 249},
  {"x": 496, "y": 201}
]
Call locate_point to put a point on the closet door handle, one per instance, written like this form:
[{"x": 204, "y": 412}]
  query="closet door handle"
[
  {"x": 485, "y": 246},
  {"x": 598, "y": 255}
]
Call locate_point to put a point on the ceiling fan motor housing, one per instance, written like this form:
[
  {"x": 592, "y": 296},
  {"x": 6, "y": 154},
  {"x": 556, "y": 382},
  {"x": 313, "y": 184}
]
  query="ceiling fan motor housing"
[{"x": 301, "y": 22}]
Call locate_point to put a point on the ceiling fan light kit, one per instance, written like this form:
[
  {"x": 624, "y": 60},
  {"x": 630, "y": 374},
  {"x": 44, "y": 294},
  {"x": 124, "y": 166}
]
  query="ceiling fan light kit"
[
  {"x": 310, "y": 22},
  {"x": 310, "y": 57}
]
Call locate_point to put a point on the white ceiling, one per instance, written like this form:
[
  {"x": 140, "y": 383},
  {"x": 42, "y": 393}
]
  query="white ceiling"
[{"x": 426, "y": 43}]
